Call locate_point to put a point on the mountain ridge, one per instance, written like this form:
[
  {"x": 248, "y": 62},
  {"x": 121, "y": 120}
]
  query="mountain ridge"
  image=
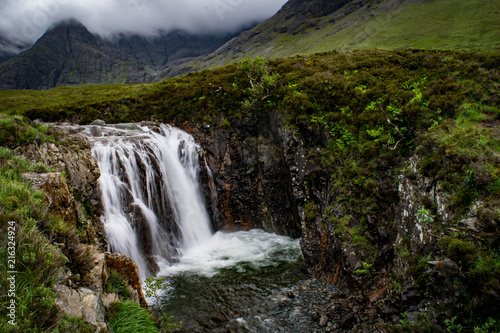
[{"x": 52, "y": 61}]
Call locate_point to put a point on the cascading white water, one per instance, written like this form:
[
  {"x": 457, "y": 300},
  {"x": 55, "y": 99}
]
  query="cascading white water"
[{"x": 153, "y": 207}]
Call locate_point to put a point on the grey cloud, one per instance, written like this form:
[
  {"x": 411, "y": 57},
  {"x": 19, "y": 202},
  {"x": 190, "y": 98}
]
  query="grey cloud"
[{"x": 27, "y": 20}]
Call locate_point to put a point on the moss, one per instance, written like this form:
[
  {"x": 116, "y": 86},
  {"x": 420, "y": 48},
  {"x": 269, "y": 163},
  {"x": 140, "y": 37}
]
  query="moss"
[{"x": 311, "y": 211}]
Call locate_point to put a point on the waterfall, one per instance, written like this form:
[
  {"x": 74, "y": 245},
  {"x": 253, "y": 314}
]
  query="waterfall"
[{"x": 153, "y": 209}]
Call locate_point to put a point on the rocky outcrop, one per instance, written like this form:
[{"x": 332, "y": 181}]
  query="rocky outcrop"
[
  {"x": 126, "y": 268},
  {"x": 74, "y": 161},
  {"x": 82, "y": 302},
  {"x": 252, "y": 179},
  {"x": 81, "y": 291},
  {"x": 88, "y": 297},
  {"x": 60, "y": 201}
]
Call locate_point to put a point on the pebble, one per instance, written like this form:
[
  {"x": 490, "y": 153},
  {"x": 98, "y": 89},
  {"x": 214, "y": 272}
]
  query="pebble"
[{"x": 323, "y": 321}]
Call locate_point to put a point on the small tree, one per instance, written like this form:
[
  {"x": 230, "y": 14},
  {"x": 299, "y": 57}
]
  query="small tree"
[
  {"x": 262, "y": 83},
  {"x": 153, "y": 288}
]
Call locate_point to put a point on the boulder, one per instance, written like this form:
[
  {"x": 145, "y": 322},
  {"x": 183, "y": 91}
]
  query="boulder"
[
  {"x": 83, "y": 303},
  {"x": 98, "y": 122}
]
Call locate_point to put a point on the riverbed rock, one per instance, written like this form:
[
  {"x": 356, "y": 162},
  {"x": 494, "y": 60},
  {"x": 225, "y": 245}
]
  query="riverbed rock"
[
  {"x": 98, "y": 122},
  {"x": 323, "y": 321}
]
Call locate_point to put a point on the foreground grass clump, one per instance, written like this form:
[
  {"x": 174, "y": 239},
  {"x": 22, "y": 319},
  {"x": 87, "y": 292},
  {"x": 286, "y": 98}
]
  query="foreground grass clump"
[
  {"x": 15, "y": 131},
  {"x": 129, "y": 317}
]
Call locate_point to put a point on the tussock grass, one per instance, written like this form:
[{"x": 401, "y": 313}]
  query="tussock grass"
[{"x": 129, "y": 317}]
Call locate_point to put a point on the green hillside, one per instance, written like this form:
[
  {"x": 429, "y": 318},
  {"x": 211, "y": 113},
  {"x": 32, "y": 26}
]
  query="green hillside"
[{"x": 439, "y": 24}]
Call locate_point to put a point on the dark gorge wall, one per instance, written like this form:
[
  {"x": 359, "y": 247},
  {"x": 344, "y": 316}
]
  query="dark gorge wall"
[{"x": 252, "y": 174}]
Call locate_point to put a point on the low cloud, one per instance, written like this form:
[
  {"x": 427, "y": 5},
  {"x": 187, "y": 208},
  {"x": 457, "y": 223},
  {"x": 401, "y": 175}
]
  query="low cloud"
[{"x": 27, "y": 20}]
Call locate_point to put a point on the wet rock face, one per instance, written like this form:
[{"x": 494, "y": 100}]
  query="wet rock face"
[{"x": 252, "y": 180}]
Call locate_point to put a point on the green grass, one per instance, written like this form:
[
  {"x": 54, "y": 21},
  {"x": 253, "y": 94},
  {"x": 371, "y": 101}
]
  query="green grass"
[
  {"x": 14, "y": 102},
  {"x": 36, "y": 259},
  {"x": 444, "y": 24},
  {"x": 129, "y": 317}
]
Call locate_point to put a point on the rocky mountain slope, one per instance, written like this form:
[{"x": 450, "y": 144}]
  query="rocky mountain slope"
[
  {"x": 70, "y": 55},
  {"x": 158, "y": 51}
]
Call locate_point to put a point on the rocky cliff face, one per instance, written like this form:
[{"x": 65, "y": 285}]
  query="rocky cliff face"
[
  {"x": 251, "y": 175},
  {"x": 81, "y": 172},
  {"x": 266, "y": 177}
]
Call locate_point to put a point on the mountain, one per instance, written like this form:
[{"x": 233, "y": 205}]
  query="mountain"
[
  {"x": 311, "y": 26},
  {"x": 171, "y": 46},
  {"x": 70, "y": 55}
]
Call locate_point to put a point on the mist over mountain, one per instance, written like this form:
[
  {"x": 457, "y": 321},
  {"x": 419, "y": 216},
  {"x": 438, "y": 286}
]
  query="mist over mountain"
[
  {"x": 9, "y": 50},
  {"x": 27, "y": 20},
  {"x": 161, "y": 49}
]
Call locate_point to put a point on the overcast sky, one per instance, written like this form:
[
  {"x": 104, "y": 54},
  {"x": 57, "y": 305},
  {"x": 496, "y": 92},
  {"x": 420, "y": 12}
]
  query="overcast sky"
[{"x": 27, "y": 20}]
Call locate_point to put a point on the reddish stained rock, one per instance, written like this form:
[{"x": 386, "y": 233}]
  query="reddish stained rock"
[{"x": 128, "y": 269}]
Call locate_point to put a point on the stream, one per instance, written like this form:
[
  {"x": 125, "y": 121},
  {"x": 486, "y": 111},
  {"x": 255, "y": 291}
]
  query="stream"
[{"x": 247, "y": 281}]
